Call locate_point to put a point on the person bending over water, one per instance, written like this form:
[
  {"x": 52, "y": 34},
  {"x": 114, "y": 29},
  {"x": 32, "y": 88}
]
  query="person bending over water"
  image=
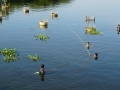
[{"x": 42, "y": 69}]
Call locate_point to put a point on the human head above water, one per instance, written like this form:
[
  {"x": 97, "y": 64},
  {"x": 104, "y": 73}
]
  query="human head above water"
[
  {"x": 42, "y": 66},
  {"x": 96, "y": 54}
]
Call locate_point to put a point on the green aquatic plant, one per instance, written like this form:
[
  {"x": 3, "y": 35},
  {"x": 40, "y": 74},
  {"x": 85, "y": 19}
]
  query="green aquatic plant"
[
  {"x": 33, "y": 57},
  {"x": 92, "y": 30},
  {"x": 9, "y": 54},
  {"x": 11, "y": 58},
  {"x": 42, "y": 37}
]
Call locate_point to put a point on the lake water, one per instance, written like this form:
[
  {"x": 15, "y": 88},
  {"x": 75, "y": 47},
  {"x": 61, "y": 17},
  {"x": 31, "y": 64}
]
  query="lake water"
[{"x": 65, "y": 57}]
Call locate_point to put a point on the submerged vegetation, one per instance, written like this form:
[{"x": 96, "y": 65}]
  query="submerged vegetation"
[
  {"x": 42, "y": 37},
  {"x": 33, "y": 57},
  {"x": 10, "y": 54}
]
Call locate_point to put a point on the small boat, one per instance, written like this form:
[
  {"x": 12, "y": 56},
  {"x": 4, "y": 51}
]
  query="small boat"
[
  {"x": 54, "y": 14},
  {"x": 43, "y": 22},
  {"x": 26, "y": 10}
]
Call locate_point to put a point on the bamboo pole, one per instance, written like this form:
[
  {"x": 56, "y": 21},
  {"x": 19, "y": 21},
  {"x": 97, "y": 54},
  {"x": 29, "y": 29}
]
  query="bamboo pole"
[{"x": 80, "y": 40}]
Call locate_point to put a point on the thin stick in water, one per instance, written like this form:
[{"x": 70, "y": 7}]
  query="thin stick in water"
[{"x": 80, "y": 39}]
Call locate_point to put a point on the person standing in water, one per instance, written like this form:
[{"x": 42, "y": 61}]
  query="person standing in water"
[
  {"x": 88, "y": 45},
  {"x": 95, "y": 56},
  {"x": 42, "y": 69}
]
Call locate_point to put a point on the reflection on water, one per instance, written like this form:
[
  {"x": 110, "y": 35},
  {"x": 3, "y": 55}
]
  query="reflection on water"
[
  {"x": 91, "y": 29},
  {"x": 54, "y": 17},
  {"x": 0, "y": 18},
  {"x": 0, "y": 21},
  {"x": 96, "y": 58},
  {"x": 42, "y": 77},
  {"x": 43, "y": 26},
  {"x": 63, "y": 46},
  {"x": 36, "y": 4},
  {"x": 90, "y": 25},
  {"x": 0, "y": 15},
  {"x": 26, "y": 13},
  {"x": 5, "y": 12}
]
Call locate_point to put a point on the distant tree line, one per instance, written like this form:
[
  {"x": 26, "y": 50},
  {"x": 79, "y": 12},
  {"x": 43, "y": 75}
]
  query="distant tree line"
[
  {"x": 39, "y": 2},
  {"x": 28, "y": 1}
]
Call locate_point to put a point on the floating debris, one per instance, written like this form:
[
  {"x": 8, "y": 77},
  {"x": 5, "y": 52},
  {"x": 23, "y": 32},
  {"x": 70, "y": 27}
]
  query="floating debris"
[
  {"x": 10, "y": 54},
  {"x": 33, "y": 57},
  {"x": 42, "y": 37}
]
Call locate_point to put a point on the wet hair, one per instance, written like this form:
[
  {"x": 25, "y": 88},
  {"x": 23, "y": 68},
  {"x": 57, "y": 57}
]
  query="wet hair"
[
  {"x": 96, "y": 54},
  {"x": 42, "y": 66},
  {"x": 88, "y": 43}
]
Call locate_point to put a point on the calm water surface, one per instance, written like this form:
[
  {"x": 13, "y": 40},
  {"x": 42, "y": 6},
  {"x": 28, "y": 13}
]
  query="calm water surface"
[{"x": 66, "y": 60}]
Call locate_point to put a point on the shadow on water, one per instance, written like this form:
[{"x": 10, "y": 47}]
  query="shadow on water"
[
  {"x": 42, "y": 77},
  {"x": 43, "y": 27},
  {"x": 96, "y": 58}
]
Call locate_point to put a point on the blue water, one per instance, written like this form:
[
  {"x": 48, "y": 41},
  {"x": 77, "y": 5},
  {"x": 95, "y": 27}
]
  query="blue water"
[{"x": 65, "y": 57}]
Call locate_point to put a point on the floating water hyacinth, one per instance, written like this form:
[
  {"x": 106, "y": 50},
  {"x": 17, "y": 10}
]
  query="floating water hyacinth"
[
  {"x": 33, "y": 57},
  {"x": 42, "y": 37},
  {"x": 10, "y": 54},
  {"x": 92, "y": 30}
]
